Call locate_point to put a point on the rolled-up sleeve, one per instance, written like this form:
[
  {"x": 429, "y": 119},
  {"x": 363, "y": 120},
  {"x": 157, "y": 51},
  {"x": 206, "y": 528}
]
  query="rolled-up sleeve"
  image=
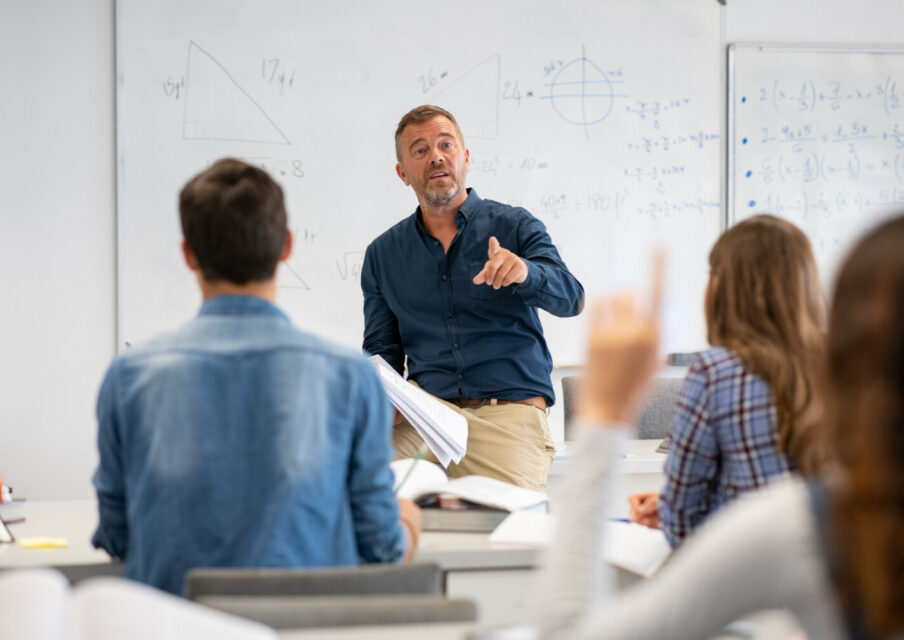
[{"x": 549, "y": 284}]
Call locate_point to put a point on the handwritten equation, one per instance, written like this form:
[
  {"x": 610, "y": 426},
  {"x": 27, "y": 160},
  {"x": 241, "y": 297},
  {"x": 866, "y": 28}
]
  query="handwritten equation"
[{"x": 833, "y": 95}]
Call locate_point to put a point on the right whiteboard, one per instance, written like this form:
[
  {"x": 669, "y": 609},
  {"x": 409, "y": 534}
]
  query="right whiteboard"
[{"x": 816, "y": 136}]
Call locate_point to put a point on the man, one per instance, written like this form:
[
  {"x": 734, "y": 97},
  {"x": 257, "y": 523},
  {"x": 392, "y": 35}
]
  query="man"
[
  {"x": 455, "y": 287},
  {"x": 238, "y": 440}
]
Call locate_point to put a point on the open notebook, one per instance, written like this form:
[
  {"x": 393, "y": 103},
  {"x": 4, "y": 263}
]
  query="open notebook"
[
  {"x": 39, "y": 604},
  {"x": 469, "y": 503}
]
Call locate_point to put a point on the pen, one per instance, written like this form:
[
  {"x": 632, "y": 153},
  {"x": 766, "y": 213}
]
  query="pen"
[{"x": 420, "y": 454}]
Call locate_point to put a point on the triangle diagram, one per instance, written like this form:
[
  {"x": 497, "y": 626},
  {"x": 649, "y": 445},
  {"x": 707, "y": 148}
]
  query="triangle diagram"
[
  {"x": 473, "y": 98},
  {"x": 289, "y": 278},
  {"x": 218, "y": 108}
]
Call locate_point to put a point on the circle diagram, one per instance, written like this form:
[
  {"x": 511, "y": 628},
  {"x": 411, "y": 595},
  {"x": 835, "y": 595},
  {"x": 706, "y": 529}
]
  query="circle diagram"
[{"x": 581, "y": 93}]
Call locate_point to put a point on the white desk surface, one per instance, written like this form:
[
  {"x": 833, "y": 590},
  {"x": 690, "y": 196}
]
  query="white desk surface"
[
  {"x": 76, "y": 520},
  {"x": 766, "y": 625},
  {"x": 465, "y": 554}
]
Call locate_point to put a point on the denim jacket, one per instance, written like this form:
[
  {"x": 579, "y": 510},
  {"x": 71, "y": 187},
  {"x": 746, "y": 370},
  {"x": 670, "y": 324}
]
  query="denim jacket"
[{"x": 240, "y": 441}]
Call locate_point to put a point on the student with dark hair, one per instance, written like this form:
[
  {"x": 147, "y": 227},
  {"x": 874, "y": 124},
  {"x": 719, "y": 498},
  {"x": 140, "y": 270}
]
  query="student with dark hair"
[
  {"x": 747, "y": 405},
  {"x": 828, "y": 550},
  {"x": 238, "y": 440}
]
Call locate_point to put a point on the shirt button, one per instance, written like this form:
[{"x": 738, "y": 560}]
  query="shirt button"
[
  {"x": 449, "y": 315},
  {"x": 445, "y": 277},
  {"x": 455, "y": 345},
  {"x": 459, "y": 376},
  {"x": 436, "y": 243}
]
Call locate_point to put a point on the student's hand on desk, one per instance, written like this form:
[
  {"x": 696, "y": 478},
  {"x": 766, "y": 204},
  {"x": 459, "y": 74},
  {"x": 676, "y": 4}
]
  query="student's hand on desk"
[
  {"x": 645, "y": 508},
  {"x": 502, "y": 268},
  {"x": 621, "y": 356},
  {"x": 410, "y": 517}
]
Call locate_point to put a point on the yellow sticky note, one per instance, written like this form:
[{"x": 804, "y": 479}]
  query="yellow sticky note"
[{"x": 43, "y": 542}]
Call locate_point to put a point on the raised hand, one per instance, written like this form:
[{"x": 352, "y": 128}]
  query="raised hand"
[
  {"x": 621, "y": 356},
  {"x": 502, "y": 269}
]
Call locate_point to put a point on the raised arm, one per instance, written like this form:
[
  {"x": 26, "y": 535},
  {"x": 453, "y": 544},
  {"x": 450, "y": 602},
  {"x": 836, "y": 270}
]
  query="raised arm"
[{"x": 760, "y": 552}]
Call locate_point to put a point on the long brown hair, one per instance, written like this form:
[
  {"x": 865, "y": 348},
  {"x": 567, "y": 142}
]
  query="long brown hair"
[
  {"x": 865, "y": 426},
  {"x": 765, "y": 304}
]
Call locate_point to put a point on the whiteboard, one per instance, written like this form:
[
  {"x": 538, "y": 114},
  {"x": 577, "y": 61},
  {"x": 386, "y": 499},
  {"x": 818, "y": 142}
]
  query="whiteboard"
[
  {"x": 817, "y": 137},
  {"x": 601, "y": 118}
]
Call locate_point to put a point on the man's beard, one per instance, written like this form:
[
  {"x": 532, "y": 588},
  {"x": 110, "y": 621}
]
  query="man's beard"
[{"x": 442, "y": 199}]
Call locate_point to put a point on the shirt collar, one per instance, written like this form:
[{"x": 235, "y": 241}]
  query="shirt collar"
[
  {"x": 467, "y": 209},
  {"x": 239, "y": 305}
]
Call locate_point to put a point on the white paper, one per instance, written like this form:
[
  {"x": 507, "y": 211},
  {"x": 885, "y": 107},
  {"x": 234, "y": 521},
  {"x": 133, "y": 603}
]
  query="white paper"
[
  {"x": 635, "y": 547},
  {"x": 444, "y": 430},
  {"x": 526, "y": 527}
]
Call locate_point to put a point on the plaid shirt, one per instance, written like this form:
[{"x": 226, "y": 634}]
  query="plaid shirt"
[{"x": 723, "y": 441}]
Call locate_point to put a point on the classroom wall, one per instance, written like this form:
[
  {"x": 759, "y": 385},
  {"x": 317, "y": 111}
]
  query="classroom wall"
[
  {"x": 57, "y": 208},
  {"x": 57, "y": 239}
]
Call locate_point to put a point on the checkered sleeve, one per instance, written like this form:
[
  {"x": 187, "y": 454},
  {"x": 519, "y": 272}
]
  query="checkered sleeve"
[{"x": 693, "y": 462}]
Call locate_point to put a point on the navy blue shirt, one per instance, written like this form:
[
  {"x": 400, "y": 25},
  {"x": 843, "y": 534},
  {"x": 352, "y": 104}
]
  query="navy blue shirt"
[{"x": 463, "y": 339}]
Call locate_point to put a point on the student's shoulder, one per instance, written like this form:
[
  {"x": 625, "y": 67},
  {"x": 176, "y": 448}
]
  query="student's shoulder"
[
  {"x": 327, "y": 349},
  {"x": 716, "y": 362}
]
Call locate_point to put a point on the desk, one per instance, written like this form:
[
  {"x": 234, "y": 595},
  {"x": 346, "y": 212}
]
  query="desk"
[
  {"x": 639, "y": 469},
  {"x": 74, "y": 520},
  {"x": 493, "y": 575},
  {"x": 498, "y": 577}
]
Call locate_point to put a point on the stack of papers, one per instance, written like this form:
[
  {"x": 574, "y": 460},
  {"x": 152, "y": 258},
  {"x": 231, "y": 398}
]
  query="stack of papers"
[{"x": 444, "y": 430}]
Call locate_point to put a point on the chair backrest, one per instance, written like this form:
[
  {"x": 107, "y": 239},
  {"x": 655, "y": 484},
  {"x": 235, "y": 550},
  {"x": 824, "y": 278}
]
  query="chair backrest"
[
  {"x": 420, "y": 578},
  {"x": 654, "y": 416},
  {"x": 297, "y": 612},
  {"x": 340, "y": 596}
]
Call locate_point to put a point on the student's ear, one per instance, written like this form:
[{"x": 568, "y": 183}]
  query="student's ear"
[
  {"x": 190, "y": 260},
  {"x": 401, "y": 173},
  {"x": 287, "y": 247}
]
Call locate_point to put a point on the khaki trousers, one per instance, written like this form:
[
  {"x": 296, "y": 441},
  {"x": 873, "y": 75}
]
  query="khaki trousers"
[{"x": 508, "y": 442}]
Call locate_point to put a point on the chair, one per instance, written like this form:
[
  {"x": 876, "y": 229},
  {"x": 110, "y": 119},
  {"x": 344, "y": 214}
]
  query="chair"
[
  {"x": 654, "y": 416},
  {"x": 343, "y": 596}
]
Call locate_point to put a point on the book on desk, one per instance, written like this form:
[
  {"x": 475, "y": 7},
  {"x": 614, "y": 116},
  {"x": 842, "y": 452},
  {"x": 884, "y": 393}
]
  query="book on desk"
[
  {"x": 468, "y": 503},
  {"x": 39, "y": 604}
]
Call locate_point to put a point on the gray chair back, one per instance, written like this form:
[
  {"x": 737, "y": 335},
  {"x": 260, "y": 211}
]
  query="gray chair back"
[
  {"x": 301, "y": 612},
  {"x": 419, "y": 578},
  {"x": 654, "y": 416},
  {"x": 341, "y": 596}
]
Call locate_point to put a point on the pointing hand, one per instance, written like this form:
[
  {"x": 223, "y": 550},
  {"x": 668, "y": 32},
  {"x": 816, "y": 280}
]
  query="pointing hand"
[{"x": 503, "y": 267}]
